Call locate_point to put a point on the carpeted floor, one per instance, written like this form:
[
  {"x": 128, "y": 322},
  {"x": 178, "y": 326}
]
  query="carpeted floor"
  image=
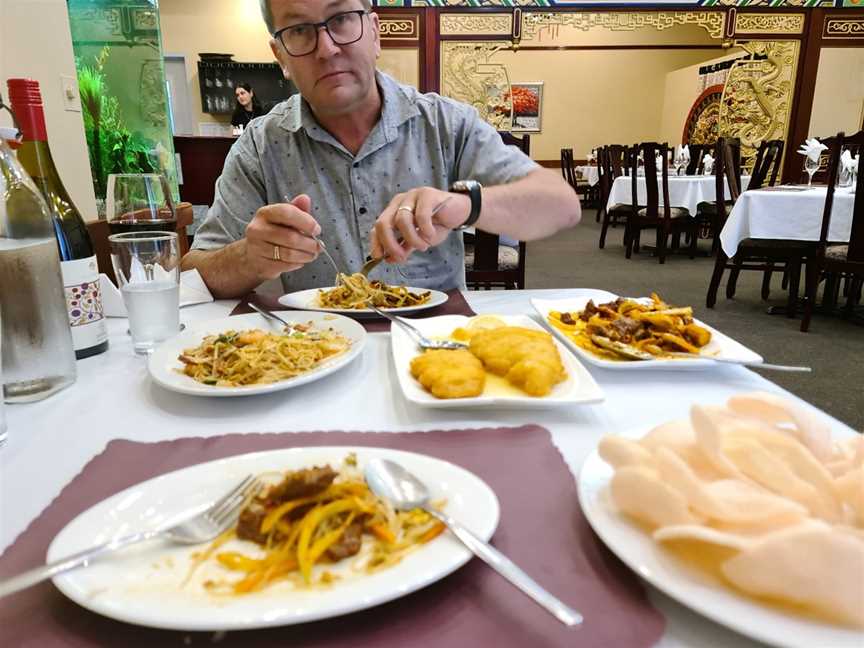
[{"x": 833, "y": 347}]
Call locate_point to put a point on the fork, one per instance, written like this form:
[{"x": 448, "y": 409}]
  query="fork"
[
  {"x": 289, "y": 327},
  {"x": 372, "y": 263},
  {"x": 422, "y": 341},
  {"x": 202, "y": 527}
]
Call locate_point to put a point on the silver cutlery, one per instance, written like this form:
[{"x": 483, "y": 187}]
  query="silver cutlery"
[
  {"x": 744, "y": 363},
  {"x": 405, "y": 492},
  {"x": 372, "y": 263},
  {"x": 289, "y": 326},
  {"x": 422, "y": 341},
  {"x": 202, "y": 527}
]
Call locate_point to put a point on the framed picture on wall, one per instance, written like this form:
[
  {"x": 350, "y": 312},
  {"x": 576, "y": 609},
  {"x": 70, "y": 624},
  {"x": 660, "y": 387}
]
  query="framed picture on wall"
[{"x": 527, "y": 106}]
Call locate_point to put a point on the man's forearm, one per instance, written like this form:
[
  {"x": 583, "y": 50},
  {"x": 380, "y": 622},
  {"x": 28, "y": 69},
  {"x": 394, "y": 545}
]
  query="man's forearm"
[
  {"x": 225, "y": 271},
  {"x": 534, "y": 207}
]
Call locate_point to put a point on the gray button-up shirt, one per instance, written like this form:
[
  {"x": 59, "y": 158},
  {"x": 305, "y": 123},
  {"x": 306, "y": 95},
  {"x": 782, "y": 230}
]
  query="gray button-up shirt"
[{"x": 421, "y": 140}]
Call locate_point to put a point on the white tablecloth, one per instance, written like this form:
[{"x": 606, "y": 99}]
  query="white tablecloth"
[
  {"x": 684, "y": 191},
  {"x": 795, "y": 215},
  {"x": 590, "y": 174},
  {"x": 51, "y": 441}
]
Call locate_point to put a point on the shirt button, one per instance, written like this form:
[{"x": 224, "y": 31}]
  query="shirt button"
[{"x": 362, "y": 210}]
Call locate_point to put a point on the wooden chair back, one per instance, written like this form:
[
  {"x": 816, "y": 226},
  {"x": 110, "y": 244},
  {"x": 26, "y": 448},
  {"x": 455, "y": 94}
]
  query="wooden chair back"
[
  {"x": 567, "y": 167},
  {"x": 727, "y": 170},
  {"x": 767, "y": 164},
  {"x": 618, "y": 160},
  {"x": 485, "y": 271},
  {"x": 697, "y": 152},
  {"x": 856, "y": 239},
  {"x": 653, "y": 172}
]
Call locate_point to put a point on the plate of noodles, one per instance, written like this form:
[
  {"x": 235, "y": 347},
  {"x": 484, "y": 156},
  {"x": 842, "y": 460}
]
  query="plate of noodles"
[
  {"x": 245, "y": 354},
  {"x": 353, "y": 293},
  {"x": 330, "y": 546}
]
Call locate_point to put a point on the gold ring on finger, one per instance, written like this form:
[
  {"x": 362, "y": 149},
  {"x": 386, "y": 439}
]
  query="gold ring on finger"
[
  {"x": 407, "y": 208},
  {"x": 276, "y": 256}
]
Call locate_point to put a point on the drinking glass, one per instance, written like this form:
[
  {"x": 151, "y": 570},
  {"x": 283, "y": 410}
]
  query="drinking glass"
[
  {"x": 147, "y": 267},
  {"x": 810, "y": 166},
  {"x": 138, "y": 202}
]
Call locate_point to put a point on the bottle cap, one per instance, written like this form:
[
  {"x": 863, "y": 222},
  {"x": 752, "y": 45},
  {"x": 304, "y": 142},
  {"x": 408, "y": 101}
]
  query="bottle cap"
[{"x": 24, "y": 91}]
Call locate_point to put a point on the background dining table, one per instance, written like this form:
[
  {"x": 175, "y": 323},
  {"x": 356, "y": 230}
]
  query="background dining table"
[
  {"x": 791, "y": 213},
  {"x": 50, "y": 441},
  {"x": 684, "y": 191},
  {"x": 589, "y": 173}
]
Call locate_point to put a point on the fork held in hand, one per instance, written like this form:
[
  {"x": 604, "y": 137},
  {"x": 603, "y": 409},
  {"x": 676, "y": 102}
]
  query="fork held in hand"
[{"x": 203, "y": 527}]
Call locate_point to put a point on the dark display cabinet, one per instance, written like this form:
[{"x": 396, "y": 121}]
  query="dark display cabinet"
[{"x": 217, "y": 80}]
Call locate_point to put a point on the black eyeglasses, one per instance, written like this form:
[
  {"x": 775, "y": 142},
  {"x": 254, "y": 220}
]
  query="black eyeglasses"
[{"x": 343, "y": 28}]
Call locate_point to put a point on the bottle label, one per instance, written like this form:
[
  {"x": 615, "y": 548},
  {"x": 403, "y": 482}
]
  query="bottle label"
[{"x": 84, "y": 302}]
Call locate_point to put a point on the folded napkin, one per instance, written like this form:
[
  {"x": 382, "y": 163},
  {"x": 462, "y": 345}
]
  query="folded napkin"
[
  {"x": 707, "y": 164},
  {"x": 685, "y": 152},
  {"x": 812, "y": 148},
  {"x": 847, "y": 162},
  {"x": 193, "y": 290},
  {"x": 592, "y": 155}
]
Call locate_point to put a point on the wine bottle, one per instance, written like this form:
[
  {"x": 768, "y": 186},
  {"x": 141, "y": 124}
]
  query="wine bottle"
[
  {"x": 77, "y": 255},
  {"x": 37, "y": 355}
]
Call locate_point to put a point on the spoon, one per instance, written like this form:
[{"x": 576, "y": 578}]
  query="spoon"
[{"x": 390, "y": 481}]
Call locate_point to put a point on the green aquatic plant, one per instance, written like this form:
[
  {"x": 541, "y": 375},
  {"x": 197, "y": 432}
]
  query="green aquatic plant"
[{"x": 112, "y": 146}]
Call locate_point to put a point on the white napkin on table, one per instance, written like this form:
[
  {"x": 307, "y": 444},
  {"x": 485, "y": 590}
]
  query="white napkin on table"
[
  {"x": 707, "y": 164},
  {"x": 193, "y": 290},
  {"x": 847, "y": 162},
  {"x": 812, "y": 148},
  {"x": 685, "y": 152},
  {"x": 591, "y": 155}
]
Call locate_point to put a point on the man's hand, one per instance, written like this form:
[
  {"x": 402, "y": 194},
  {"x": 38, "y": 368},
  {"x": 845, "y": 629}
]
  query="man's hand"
[
  {"x": 278, "y": 238},
  {"x": 409, "y": 217}
]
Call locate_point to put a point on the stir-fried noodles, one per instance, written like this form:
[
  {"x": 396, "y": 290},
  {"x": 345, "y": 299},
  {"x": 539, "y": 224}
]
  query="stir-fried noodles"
[
  {"x": 357, "y": 291},
  {"x": 254, "y": 357},
  {"x": 314, "y": 516}
]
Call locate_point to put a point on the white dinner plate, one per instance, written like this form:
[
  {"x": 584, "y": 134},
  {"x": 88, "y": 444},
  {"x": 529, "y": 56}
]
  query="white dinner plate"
[
  {"x": 143, "y": 585},
  {"x": 720, "y": 346},
  {"x": 579, "y": 387},
  {"x": 166, "y": 369},
  {"x": 641, "y": 553},
  {"x": 308, "y": 300}
]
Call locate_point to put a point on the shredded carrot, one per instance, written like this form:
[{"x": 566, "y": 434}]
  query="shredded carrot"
[
  {"x": 383, "y": 532},
  {"x": 432, "y": 533}
]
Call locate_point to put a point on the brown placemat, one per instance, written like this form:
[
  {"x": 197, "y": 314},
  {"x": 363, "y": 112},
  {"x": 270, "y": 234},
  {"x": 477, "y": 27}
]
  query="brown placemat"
[
  {"x": 542, "y": 529},
  {"x": 455, "y": 305}
]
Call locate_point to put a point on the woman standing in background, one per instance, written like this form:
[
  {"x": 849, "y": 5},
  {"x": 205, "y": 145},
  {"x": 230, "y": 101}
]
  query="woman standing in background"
[{"x": 247, "y": 106}]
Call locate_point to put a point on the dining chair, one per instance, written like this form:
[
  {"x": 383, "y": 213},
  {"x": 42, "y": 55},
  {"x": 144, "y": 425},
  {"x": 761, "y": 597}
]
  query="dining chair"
[
  {"x": 612, "y": 162},
  {"x": 835, "y": 261},
  {"x": 767, "y": 164},
  {"x": 697, "y": 152},
  {"x": 488, "y": 262},
  {"x": 759, "y": 255},
  {"x": 567, "y": 167},
  {"x": 665, "y": 219}
]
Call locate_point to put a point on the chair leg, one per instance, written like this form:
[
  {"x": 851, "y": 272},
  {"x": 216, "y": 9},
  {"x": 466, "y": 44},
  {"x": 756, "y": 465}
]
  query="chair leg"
[
  {"x": 784, "y": 284},
  {"x": 629, "y": 237},
  {"x": 694, "y": 242},
  {"x": 766, "y": 282},
  {"x": 811, "y": 285},
  {"x": 716, "y": 277},
  {"x": 732, "y": 282},
  {"x": 662, "y": 235},
  {"x": 603, "y": 230},
  {"x": 637, "y": 240},
  {"x": 794, "y": 285}
]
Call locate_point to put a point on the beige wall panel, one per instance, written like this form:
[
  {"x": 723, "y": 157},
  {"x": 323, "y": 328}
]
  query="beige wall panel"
[
  {"x": 35, "y": 42},
  {"x": 596, "y": 97},
  {"x": 403, "y": 64},
  {"x": 232, "y": 26},
  {"x": 838, "y": 102},
  {"x": 681, "y": 90}
]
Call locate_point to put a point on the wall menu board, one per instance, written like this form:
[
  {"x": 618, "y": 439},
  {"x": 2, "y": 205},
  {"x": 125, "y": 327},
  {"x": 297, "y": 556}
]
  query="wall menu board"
[{"x": 218, "y": 78}]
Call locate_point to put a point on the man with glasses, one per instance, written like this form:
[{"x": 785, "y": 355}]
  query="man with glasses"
[{"x": 371, "y": 167}]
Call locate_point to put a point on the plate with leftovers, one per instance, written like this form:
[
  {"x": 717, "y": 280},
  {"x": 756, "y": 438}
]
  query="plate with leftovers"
[
  {"x": 247, "y": 354},
  {"x": 314, "y": 544},
  {"x": 508, "y": 361},
  {"x": 637, "y": 333},
  {"x": 751, "y": 514},
  {"x": 353, "y": 292}
]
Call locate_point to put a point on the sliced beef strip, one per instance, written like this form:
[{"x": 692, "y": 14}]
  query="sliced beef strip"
[
  {"x": 301, "y": 483},
  {"x": 349, "y": 544},
  {"x": 625, "y": 328},
  {"x": 249, "y": 522}
]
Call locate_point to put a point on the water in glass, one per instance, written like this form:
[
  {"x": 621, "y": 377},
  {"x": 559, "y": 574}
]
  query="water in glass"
[{"x": 154, "y": 313}]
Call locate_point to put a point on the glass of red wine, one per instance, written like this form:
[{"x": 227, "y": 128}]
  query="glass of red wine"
[{"x": 139, "y": 202}]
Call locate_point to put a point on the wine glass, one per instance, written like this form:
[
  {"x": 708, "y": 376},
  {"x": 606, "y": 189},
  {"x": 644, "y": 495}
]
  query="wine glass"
[
  {"x": 138, "y": 202},
  {"x": 811, "y": 166}
]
